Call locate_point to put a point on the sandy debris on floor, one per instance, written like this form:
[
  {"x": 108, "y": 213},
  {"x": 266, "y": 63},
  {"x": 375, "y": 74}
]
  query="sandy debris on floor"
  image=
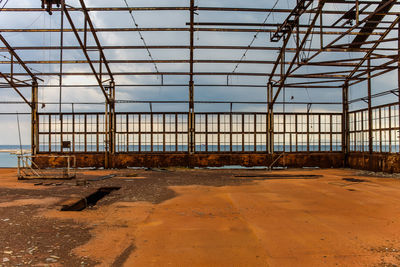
[{"x": 182, "y": 217}]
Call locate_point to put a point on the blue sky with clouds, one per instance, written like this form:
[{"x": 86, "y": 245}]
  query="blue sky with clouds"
[{"x": 173, "y": 19}]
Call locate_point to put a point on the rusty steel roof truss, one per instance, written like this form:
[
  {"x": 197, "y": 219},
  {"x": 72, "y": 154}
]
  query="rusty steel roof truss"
[{"x": 364, "y": 20}]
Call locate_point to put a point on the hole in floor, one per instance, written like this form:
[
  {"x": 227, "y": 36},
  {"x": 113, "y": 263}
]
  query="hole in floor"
[
  {"x": 354, "y": 180},
  {"x": 279, "y": 176},
  {"x": 90, "y": 200}
]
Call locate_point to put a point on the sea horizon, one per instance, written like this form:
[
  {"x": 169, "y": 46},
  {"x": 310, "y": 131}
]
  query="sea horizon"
[{"x": 8, "y": 153}]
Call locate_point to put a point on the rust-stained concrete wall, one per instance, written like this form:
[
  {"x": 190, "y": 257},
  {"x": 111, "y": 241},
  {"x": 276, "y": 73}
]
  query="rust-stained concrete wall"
[
  {"x": 379, "y": 162},
  {"x": 215, "y": 160},
  {"x": 385, "y": 162},
  {"x": 323, "y": 160}
]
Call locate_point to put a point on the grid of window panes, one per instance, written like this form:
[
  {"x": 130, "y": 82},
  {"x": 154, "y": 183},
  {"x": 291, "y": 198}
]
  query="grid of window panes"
[
  {"x": 214, "y": 132},
  {"x": 230, "y": 132},
  {"x": 385, "y": 129},
  {"x": 72, "y": 132},
  {"x": 152, "y": 132},
  {"x": 358, "y": 131},
  {"x": 311, "y": 132}
]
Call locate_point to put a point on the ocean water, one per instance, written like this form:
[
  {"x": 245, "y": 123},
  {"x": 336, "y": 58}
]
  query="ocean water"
[{"x": 8, "y": 158}]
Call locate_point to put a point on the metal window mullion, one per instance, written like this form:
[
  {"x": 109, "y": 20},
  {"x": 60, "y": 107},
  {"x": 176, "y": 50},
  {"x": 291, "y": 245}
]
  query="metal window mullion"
[
  {"x": 284, "y": 132},
  {"x": 296, "y": 132},
  {"x": 137, "y": 132},
  {"x": 366, "y": 137},
  {"x": 151, "y": 132},
  {"x": 351, "y": 124},
  {"x": 290, "y": 139},
  {"x": 230, "y": 132},
  {"x": 266, "y": 133},
  {"x": 390, "y": 129},
  {"x": 243, "y": 134},
  {"x": 331, "y": 132},
  {"x": 163, "y": 133},
  {"x": 218, "y": 132},
  {"x": 73, "y": 133},
  {"x": 61, "y": 133},
  {"x": 362, "y": 132},
  {"x": 398, "y": 82},
  {"x": 255, "y": 130},
  {"x": 380, "y": 130},
  {"x": 97, "y": 132},
  {"x": 85, "y": 133},
  {"x": 127, "y": 132},
  {"x": 319, "y": 132},
  {"x": 206, "y": 128},
  {"x": 140, "y": 132},
  {"x": 49, "y": 133},
  {"x": 117, "y": 143},
  {"x": 355, "y": 131},
  {"x": 308, "y": 131},
  {"x": 176, "y": 132}
]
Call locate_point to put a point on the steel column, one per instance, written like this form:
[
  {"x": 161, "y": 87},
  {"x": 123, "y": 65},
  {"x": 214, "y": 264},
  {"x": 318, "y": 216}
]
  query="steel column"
[
  {"x": 61, "y": 53},
  {"x": 370, "y": 147},
  {"x": 191, "y": 82},
  {"x": 34, "y": 119},
  {"x": 398, "y": 78},
  {"x": 345, "y": 122},
  {"x": 270, "y": 120},
  {"x": 112, "y": 118},
  {"x": 110, "y": 126}
]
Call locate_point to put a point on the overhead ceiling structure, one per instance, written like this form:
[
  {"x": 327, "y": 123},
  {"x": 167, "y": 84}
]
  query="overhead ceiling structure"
[{"x": 217, "y": 54}]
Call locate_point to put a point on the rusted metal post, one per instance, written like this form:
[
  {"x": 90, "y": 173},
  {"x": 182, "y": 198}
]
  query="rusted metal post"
[
  {"x": 61, "y": 53},
  {"x": 398, "y": 80},
  {"x": 61, "y": 132},
  {"x": 106, "y": 133},
  {"x": 321, "y": 35},
  {"x": 270, "y": 120},
  {"x": 357, "y": 12},
  {"x": 112, "y": 118},
  {"x": 345, "y": 122},
  {"x": 370, "y": 137},
  {"x": 110, "y": 127},
  {"x": 283, "y": 74},
  {"x": 34, "y": 119},
  {"x": 19, "y": 165},
  {"x": 191, "y": 81}
]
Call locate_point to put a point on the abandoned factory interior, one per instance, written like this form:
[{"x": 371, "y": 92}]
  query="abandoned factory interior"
[
  {"x": 313, "y": 85},
  {"x": 199, "y": 133}
]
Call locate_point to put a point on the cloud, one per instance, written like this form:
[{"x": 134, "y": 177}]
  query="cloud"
[{"x": 168, "y": 19}]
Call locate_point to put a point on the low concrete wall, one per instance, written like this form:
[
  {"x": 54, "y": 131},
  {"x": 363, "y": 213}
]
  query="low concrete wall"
[
  {"x": 374, "y": 162},
  {"x": 378, "y": 162},
  {"x": 295, "y": 160}
]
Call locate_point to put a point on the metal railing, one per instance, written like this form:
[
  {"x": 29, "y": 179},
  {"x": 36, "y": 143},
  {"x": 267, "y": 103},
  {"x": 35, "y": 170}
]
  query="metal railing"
[{"x": 29, "y": 167}]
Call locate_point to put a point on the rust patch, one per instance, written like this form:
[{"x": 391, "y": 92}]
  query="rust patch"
[
  {"x": 151, "y": 160},
  {"x": 377, "y": 162}
]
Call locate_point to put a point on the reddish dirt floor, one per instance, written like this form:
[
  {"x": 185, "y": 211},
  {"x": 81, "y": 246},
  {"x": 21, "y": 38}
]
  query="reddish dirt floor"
[{"x": 201, "y": 217}]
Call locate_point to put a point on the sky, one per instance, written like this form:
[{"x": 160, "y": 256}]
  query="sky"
[{"x": 173, "y": 19}]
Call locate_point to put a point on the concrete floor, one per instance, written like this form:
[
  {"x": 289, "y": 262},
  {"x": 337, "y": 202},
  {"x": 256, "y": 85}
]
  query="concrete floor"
[{"x": 257, "y": 222}]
